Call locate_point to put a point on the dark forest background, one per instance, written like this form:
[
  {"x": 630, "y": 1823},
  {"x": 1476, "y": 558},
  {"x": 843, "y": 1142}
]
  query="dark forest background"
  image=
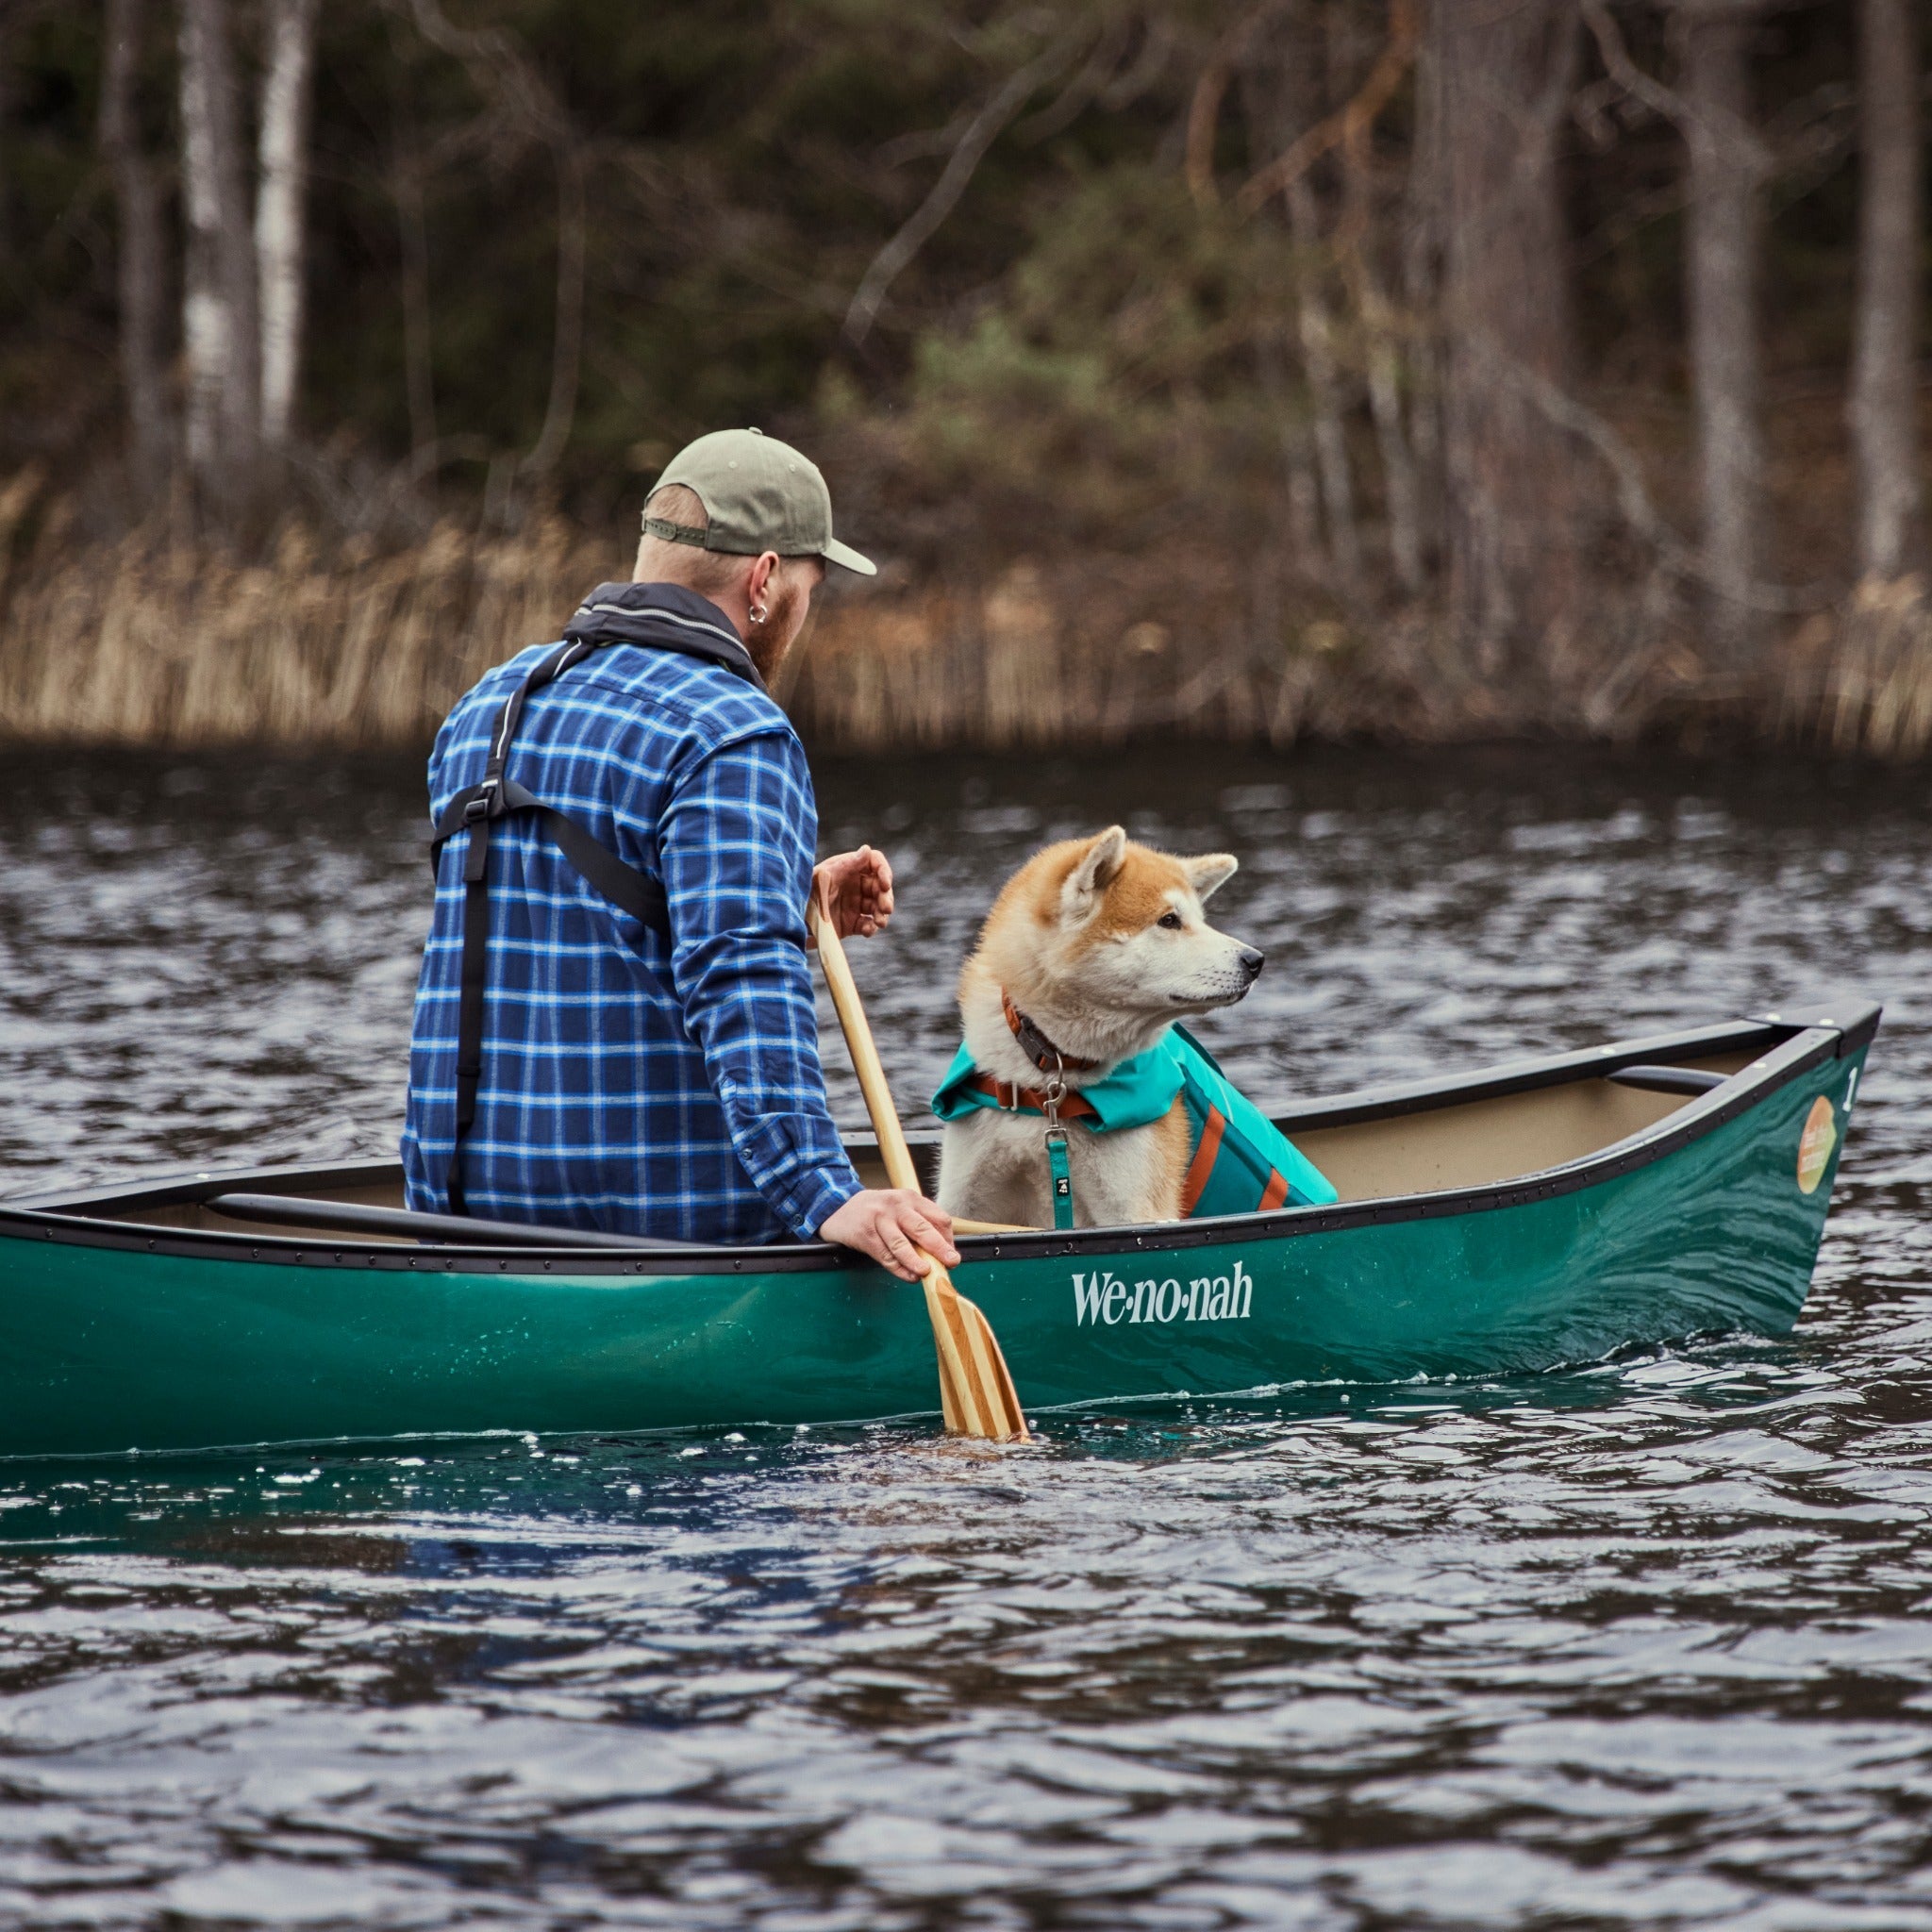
[{"x": 1421, "y": 368}]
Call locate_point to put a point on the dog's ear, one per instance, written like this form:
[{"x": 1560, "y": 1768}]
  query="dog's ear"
[
  {"x": 1095, "y": 869},
  {"x": 1210, "y": 872}
]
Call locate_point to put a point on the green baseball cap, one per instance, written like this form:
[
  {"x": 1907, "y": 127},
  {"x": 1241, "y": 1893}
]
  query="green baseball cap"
[{"x": 758, "y": 494}]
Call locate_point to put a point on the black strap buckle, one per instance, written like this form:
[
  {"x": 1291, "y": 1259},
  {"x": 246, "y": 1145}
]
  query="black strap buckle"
[{"x": 487, "y": 804}]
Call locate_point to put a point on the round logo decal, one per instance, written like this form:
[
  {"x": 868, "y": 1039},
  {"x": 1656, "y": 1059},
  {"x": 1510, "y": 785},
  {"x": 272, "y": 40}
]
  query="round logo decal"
[{"x": 1815, "y": 1144}]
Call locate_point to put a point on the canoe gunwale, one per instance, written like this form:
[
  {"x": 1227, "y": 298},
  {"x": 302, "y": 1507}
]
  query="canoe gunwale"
[{"x": 1795, "y": 1042}]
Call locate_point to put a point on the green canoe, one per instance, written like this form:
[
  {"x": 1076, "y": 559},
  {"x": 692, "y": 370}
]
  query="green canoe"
[{"x": 1543, "y": 1212}]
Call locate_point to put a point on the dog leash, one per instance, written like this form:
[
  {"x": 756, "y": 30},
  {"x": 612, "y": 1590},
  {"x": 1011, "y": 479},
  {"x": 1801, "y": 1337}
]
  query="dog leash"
[{"x": 1056, "y": 1163}]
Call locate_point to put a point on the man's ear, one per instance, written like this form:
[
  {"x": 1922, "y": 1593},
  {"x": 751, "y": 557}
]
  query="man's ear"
[
  {"x": 1210, "y": 872},
  {"x": 1095, "y": 869}
]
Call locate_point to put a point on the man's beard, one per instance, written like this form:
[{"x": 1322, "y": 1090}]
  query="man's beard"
[{"x": 784, "y": 618}]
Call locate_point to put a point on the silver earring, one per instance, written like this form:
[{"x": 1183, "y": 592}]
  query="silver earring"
[{"x": 759, "y": 613}]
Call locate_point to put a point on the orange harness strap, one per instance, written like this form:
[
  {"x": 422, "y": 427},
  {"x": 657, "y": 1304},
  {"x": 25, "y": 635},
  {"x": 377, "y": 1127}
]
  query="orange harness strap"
[{"x": 1074, "y": 1105}]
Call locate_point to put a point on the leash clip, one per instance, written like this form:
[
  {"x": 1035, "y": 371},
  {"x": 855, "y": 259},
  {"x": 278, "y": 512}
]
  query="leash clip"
[{"x": 1052, "y": 1094}]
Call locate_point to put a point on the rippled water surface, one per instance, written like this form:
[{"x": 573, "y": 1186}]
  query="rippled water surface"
[{"x": 1643, "y": 1644}]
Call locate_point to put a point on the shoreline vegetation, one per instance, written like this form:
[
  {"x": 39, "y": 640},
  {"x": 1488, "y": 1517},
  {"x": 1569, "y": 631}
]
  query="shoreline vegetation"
[
  {"x": 158, "y": 639},
  {"x": 1259, "y": 371}
]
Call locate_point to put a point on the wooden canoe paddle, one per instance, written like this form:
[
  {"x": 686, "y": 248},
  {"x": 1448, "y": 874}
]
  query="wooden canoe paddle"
[{"x": 975, "y": 1391}]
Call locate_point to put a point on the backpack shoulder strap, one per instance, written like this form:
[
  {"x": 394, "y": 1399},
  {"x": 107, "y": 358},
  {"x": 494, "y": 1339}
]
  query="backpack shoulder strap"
[
  {"x": 473, "y": 811},
  {"x": 628, "y": 889}
]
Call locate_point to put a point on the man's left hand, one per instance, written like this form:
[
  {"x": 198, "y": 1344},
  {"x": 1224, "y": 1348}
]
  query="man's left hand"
[{"x": 856, "y": 888}]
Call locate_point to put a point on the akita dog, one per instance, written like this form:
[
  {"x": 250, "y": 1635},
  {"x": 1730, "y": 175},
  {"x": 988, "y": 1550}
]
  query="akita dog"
[{"x": 1095, "y": 947}]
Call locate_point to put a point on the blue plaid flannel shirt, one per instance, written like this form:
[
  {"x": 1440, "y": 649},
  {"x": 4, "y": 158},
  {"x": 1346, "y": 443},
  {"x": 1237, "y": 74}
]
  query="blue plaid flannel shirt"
[{"x": 627, "y": 1085}]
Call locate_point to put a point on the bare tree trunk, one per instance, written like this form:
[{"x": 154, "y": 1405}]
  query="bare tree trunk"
[
  {"x": 5, "y": 115},
  {"x": 503, "y": 70},
  {"x": 280, "y": 232},
  {"x": 412, "y": 230},
  {"x": 138, "y": 261},
  {"x": 1297, "y": 460},
  {"x": 566, "y": 354},
  {"x": 1391, "y": 439},
  {"x": 1723, "y": 244},
  {"x": 1503, "y": 76},
  {"x": 219, "y": 320},
  {"x": 1315, "y": 328},
  {"x": 1421, "y": 294},
  {"x": 1280, "y": 103},
  {"x": 1384, "y": 369},
  {"x": 1884, "y": 400},
  {"x": 1350, "y": 52},
  {"x": 1298, "y": 472}
]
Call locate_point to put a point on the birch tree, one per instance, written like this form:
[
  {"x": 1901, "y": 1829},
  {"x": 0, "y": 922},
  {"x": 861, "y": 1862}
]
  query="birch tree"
[
  {"x": 1502, "y": 80},
  {"x": 137, "y": 265},
  {"x": 280, "y": 231},
  {"x": 219, "y": 326},
  {"x": 1723, "y": 244},
  {"x": 1883, "y": 405}
]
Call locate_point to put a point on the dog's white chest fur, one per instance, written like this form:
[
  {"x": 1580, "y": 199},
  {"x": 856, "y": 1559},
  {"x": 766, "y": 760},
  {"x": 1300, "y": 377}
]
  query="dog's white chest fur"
[{"x": 993, "y": 1167}]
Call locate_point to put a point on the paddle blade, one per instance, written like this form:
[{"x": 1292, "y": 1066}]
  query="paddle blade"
[
  {"x": 995, "y": 1378},
  {"x": 975, "y": 1391}
]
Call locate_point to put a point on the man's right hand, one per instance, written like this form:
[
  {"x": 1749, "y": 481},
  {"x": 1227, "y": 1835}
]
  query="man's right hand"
[{"x": 893, "y": 1225}]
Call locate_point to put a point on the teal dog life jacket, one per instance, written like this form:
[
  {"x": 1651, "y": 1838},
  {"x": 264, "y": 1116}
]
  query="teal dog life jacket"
[{"x": 1242, "y": 1163}]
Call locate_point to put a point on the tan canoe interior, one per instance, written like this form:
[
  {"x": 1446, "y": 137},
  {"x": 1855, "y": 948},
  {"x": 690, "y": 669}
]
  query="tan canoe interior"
[
  {"x": 1477, "y": 1141},
  {"x": 1469, "y": 1143},
  {"x": 1484, "y": 1141}
]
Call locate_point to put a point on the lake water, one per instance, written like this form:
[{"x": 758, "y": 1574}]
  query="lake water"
[{"x": 1645, "y": 1644}]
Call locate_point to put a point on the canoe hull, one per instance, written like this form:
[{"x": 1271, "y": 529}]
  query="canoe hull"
[{"x": 112, "y": 1347}]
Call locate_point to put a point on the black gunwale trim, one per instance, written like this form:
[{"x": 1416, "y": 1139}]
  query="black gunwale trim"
[
  {"x": 1528, "y": 1076},
  {"x": 1794, "y": 1044}
]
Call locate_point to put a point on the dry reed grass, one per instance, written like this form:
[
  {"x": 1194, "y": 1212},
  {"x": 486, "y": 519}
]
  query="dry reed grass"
[
  {"x": 1862, "y": 681},
  {"x": 1020, "y": 666},
  {"x": 152, "y": 640}
]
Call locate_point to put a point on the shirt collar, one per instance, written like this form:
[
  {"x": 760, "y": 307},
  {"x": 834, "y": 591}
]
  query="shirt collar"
[{"x": 664, "y": 617}]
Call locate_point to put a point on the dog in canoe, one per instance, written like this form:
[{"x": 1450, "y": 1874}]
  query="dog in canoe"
[{"x": 1076, "y": 1100}]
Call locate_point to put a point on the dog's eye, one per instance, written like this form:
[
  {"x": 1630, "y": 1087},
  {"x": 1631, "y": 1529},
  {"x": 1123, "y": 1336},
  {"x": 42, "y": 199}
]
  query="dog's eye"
[{"x": 1170, "y": 921}]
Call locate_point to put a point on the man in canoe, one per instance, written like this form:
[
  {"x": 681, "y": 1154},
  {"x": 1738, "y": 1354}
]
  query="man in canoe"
[{"x": 615, "y": 1027}]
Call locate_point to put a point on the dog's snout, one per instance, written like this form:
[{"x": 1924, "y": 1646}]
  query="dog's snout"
[{"x": 1252, "y": 961}]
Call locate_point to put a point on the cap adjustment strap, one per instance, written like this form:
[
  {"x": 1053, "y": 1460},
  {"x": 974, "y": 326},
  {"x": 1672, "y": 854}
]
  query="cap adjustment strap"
[{"x": 676, "y": 533}]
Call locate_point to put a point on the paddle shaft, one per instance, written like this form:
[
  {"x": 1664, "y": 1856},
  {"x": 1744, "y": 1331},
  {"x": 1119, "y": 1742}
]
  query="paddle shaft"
[
  {"x": 865, "y": 1055},
  {"x": 975, "y": 1390}
]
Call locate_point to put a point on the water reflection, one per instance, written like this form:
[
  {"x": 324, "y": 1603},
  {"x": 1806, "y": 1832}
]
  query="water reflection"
[{"x": 1641, "y": 1644}]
